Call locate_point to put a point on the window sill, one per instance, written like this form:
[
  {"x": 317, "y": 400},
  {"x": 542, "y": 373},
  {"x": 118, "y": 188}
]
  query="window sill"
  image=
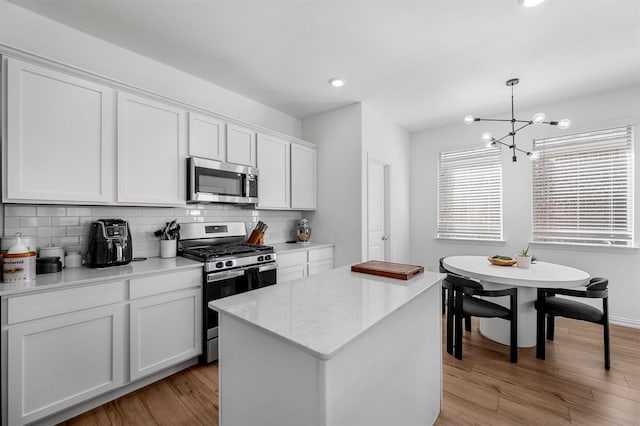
[{"x": 586, "y": 247}]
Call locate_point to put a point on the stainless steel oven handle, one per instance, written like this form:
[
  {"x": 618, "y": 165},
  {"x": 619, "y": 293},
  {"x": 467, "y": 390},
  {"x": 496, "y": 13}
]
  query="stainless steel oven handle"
[
  {"x": 269, "y": 267},
  {"x": 225, "y": 275}
]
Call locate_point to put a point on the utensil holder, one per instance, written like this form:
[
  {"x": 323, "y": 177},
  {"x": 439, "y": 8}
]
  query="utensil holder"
[{"x": 168, "y": 248}]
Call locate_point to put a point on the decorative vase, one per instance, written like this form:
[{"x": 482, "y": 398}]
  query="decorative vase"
[{"x": 523, "y": 261}]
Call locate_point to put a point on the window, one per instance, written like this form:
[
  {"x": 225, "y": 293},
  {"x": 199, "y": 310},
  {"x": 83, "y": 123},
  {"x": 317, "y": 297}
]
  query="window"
[
  {"x": 470, "y": 194},
  {"x": 583, "y": 188}
]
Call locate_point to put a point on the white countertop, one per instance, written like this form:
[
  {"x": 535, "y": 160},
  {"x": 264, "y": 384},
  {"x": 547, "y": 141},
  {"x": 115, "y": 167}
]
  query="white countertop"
[
  {"x": 85, "y": 275},
  {"x": 323, "y": 313},
  {"x": 290, "y": 247}
]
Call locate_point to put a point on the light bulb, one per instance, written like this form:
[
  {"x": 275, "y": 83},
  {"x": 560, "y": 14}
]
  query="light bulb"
[
  {"x": 468, "y": 119},
  {"x": 487, "y": 137},
  {"x": 564, "y": 123},
  {"x": 336, "y": 82},
  {"x": 489, "y": 144},
  {"x": 533, "y": 156},
  {"x": 538, "y": 117}
]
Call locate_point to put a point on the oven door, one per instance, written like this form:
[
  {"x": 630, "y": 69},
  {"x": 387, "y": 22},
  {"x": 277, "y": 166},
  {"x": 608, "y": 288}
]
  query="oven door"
[
  {"x": 213, "y": 181},
  {"x": 227, "y": 283}
]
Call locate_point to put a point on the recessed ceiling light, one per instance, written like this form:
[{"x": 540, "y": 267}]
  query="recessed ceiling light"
[
  {"x": 530, "y": 3},
  {"x": 336, "y": 82}
]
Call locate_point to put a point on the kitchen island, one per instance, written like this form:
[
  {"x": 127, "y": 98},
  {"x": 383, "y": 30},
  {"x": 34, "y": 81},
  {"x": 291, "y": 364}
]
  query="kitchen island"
[{"x": 338, "y": 348}]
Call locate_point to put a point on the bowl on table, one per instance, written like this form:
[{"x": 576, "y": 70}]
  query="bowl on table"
[{"x": 502, "y": 260}]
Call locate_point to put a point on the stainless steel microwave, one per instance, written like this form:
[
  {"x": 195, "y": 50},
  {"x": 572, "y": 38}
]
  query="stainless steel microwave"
[{"x": 217, "y": 182}]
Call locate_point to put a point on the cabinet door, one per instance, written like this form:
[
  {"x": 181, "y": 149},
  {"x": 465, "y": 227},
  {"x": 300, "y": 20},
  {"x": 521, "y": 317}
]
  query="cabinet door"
[
  {"x": 60, "y": 137},
  {"x": 291, "y": 273},
  {"x": 241, "y": 145},
  {"x": 56, "y": 363},
  {"x": 318, "y": 267},
  {"x": 274, "y": 179},
  {"x": 303, "y": 177},
  {"x": 165, "y": 330},
  {"x": 207, "y": 137},
  {"x": 151, "y": 152}
]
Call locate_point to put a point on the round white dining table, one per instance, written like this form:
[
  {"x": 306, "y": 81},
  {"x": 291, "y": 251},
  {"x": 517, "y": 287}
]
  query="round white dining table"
[{"x": 493, "y": 277}]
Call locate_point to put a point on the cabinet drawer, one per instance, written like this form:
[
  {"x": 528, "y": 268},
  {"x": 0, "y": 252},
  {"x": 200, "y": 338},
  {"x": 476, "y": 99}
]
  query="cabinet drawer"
[
  {"x": 291, "y": 273},
  {"x": 320, "y": 254},
  {"x": 290, "y": 259},
  {"x": 41, "y": 305},
  {"x": 317, "y": 267},
  {"x": 164, "y": 283}
]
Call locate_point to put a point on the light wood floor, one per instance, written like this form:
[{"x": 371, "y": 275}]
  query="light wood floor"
[{"x": 570, "y": 387}]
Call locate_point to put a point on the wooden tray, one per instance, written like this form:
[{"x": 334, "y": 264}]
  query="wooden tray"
[{"x": 388, "y": 269}]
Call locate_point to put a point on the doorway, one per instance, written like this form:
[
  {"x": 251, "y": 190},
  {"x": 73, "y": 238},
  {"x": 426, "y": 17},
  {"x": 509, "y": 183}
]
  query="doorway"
[{"x": 378, "y": 217}]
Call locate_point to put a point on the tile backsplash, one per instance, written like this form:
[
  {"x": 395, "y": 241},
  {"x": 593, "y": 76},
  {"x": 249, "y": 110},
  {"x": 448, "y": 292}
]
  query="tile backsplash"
[{"x": 68, "y": 226}]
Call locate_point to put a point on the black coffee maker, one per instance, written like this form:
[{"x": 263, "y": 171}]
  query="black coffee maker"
[{"x": 109, "y": 243}]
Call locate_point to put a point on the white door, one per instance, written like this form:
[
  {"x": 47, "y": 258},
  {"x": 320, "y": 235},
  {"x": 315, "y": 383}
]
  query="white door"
[
  {"x": 207, "y": 137},
  {"x": 377, "y": 209},
  {"x": 274, "y": 160},
  {"x": 60, "y": 138},
  {"x": 151, "y": 151}
]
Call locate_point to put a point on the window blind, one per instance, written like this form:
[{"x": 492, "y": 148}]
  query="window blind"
[
  {"x": 582, "y": 188},
  {"x": 470, "y": 194}
]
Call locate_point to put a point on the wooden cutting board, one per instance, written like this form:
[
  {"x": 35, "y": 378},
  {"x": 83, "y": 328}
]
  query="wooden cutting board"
[{"x": 388, "y": 269}]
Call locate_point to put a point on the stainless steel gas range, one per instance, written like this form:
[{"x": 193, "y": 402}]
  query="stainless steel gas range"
[{"x": 231, "y": 266}]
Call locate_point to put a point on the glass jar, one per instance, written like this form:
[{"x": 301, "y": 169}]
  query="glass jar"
[{"x": 303, "y": 231}]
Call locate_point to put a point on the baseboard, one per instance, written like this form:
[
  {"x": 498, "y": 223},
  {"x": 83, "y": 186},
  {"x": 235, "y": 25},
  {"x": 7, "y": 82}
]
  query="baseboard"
[{"x": 625, "y": 322}]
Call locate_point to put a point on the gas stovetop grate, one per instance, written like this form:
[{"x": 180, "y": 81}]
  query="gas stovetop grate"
[{"x": 224, "y": 250}]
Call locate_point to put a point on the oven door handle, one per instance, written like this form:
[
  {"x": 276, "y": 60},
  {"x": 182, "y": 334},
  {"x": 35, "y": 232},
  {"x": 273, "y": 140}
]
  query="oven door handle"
[
  {"x": 225, "y": 275},
  {"x": 219, "y": 276}
]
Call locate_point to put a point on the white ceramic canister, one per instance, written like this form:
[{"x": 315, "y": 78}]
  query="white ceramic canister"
[
  {"x": 19, "y": 263},
  {"x": 52, "y": 251}
]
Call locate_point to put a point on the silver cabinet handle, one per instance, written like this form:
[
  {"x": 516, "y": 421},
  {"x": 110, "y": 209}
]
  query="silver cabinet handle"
[{"x": 384, "y": 238}]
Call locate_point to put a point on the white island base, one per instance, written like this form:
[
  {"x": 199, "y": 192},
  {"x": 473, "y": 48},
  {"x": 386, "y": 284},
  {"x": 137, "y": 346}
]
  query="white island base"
[{"x": 388, "y": 375}]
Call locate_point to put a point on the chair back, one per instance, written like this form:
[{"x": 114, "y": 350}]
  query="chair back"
[
  {"x": 597, "y": 283},
  {"x": 442, "y": 268},
  {"x": 459, "y": 281}
]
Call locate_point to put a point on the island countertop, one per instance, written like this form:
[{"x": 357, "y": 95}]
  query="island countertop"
[{"x": 323, "y": 313}]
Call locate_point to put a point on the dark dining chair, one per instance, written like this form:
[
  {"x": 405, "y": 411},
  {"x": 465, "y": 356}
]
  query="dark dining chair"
[
  {"x": 468, "y": 305},
  {"x": 445, "y": 290},
  {"x": 448, "y": 306},
  {"x": 551, "y": 306}
]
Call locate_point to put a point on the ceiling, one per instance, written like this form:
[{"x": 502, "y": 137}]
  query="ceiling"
[{"x": 420, "y": 63}]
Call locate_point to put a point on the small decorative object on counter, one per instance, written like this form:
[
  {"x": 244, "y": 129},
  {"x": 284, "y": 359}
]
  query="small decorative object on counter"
[
  {"x": 52, "y": 251},
  {"x": 169, "y": 239},
  {"x": 19, "y": 263},
  {"x": 257, "y": 235},
  {"x": 73, "y": 260},
  {"x": 524, "y": 259},
  {"x": 303, "y": 231}
]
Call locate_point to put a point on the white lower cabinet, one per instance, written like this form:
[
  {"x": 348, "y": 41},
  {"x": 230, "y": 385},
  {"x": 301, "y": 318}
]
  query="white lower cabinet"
[
  {"x": 164, "y": 330},
  {"x": 64, "y": 347},
  {"x": 57, "y": 362},
  {"x": 301, "y": 263}
]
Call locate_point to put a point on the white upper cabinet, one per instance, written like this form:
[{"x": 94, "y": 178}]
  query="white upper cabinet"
[
  {"x": 151, "y": 152},
  {"x": 207, "y": 137},
  {"x": 59, "y": 137},
  {"x": 303, "y": 177},
  {"x": 274, "y": 179},
  {"x": 241, "y": 145}
]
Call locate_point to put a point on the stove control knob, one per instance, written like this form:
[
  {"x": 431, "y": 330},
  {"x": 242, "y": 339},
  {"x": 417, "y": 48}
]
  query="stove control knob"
[
  {"x": 229, "y": 263},
  {"x": 267, "y": 257},
  {"x": 219, "y": 265},
  {"x": 260, "y": 258}
]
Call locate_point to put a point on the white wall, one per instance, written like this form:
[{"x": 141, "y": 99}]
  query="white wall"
[
  {"x": 385, "y": 141},
  {"x": 27, "y": 31},
  {"x": 338, "y": 134},
  {"x": 598, "y": 111}
]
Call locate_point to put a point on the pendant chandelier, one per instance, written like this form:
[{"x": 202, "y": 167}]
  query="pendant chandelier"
[{"x": 538, "y": 118}]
